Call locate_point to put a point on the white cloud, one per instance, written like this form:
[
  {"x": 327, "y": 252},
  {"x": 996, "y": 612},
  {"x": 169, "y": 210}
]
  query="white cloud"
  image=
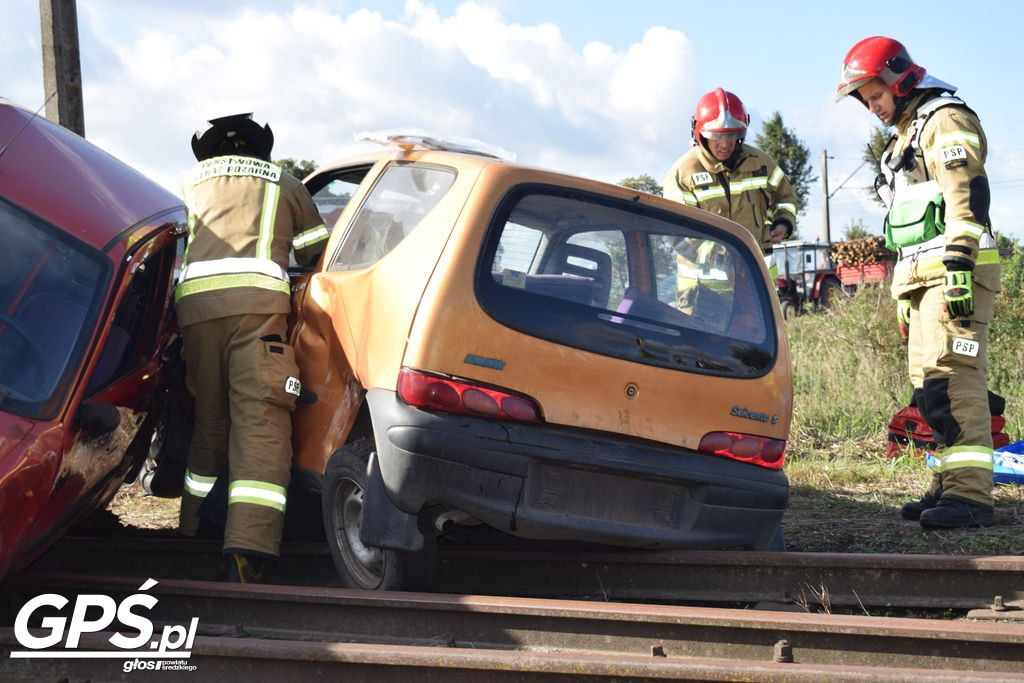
[{"x": 319, "y": 75}]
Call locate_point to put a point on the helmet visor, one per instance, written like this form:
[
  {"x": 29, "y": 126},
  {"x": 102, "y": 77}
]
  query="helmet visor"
[{"x": 724, "y": 134}]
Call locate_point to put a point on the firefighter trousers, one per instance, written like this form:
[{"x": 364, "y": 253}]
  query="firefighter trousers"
[
  {"x": 245, "y": 382},
  {"x": 947, "y": 360}
]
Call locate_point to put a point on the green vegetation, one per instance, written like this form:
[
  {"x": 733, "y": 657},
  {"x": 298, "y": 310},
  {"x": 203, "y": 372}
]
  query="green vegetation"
[
  {"x": 849, "y": 378},
  {"x": 790, "y": 153}
]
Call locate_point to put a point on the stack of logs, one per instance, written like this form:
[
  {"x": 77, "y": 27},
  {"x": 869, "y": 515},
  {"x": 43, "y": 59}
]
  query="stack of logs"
[{"x": 866, "y": 250}]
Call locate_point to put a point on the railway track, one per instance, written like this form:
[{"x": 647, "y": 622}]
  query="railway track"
[
  {"x": 278, "y": 631},
  {"x": 822, "y": 580}
]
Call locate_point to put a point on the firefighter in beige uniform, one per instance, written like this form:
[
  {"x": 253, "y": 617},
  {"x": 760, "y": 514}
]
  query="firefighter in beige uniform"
[
  {"x": 244, "y": 217},
  {"x": 948, "y": 269},
  {"x": 722, "y": 175}
]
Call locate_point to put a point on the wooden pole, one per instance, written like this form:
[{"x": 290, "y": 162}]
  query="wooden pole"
[{"x": 62, "y": 71}]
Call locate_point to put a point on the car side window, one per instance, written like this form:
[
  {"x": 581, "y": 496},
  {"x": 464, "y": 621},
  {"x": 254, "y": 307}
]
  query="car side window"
[
  {"x": 133, "y": 331},
  {"x": 332, "y": 197},
  {"x": 403, "y": 195}
]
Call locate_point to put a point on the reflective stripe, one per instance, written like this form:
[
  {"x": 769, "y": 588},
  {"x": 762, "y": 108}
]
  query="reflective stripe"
[
  {"x": 267, "y": 219},
  {"x": 197, "y": 484},
  {"x": 688, "y": 198},
  {"x": 224, "y": 266},
  {"x": 257, "y": 493},
  {"x": 932, "y": 265},
  {"x": 786, "y": 206},
  {"x": 964, "y": 456},
  {"x": 216, "y": 282},
  {"x": 311, "y": 236},
  {"x": 710, "y": 193},
  {"x": 777, "y": 176},
  {"x": 956, "y": 229}
]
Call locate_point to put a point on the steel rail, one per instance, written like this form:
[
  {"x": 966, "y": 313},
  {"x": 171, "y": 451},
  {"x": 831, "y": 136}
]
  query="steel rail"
[
  {"x": 535, "y": 625},
  {"x": 703, "y": 577},
  {"x": 227, "y": 660}
]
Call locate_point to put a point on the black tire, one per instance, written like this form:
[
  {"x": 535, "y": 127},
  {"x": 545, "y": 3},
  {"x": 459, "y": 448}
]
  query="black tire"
[
  {"x": 830, "y": 289},
  {"x": 359, "y": 565},
  {"x": 163, "y": 472},
  {"x": 789, "y": 309}
]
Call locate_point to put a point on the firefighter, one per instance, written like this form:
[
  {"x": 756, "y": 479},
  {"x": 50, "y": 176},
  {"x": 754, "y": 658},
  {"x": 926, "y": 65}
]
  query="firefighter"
[
  {"x": 933, "y": 180},
  {"x": 722, "y": 175},
  {"x": 245, "y": 215}
]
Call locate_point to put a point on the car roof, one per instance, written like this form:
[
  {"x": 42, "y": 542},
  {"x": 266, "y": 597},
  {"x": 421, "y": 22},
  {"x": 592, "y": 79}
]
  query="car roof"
[{"x": 68, "y": 181}]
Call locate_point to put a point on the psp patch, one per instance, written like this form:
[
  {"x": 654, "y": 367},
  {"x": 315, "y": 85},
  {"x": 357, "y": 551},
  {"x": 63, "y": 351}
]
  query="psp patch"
[
  {"x": 953, "y": 154},
  {"x": 702, "y": 179},
  {"x": 293, "y": 386},
  {"x": 966, "y": 347}
]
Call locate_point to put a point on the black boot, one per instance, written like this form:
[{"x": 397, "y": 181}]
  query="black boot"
[
  {"x": 953, "y": 513},
  {"x": 914, "y": 508},
  {"x": 243, "y": 568}
]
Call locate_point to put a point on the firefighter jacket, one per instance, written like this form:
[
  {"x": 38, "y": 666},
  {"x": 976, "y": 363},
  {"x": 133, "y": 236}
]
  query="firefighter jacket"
[
  {"x": 755, "y": 192},
  {"x": 244, "y": 217},
  {"x": 934, "y": 168}
]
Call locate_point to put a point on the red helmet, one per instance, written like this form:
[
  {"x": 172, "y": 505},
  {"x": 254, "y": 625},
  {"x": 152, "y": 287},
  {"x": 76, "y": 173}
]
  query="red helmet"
[
  {"x": 719, "y": 114},
  {"x": 879, "y": 57}
]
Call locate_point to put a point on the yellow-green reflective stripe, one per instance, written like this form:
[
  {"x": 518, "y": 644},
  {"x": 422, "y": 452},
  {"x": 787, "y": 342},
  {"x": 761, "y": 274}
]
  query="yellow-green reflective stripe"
[
  {"x": 945, "y": 139},
  {"x": 267, "y": 219},
  {"x": 191, "y": 221},
  {"x": 958, "y": 228},
  {"x": 257, "y": 493},
  {"x": 933, "y": 265},
  {"x": 773, "y": 270},
  {"x": 787, "y": 206},
  {"x": 311, "y": 236},
  {"x": 965, "y": 456},
  {"x": 197, "y": 484},
  {"x": 209, "y": 284},
  {"x": 688, "y": 198},
  {"x": 709, "y": 193},
  {"x": 748, "y": 184},
  {"x": 777, "y": 177}
]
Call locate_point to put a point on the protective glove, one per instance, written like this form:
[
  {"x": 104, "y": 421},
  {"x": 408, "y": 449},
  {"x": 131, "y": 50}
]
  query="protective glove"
[
  {"x": 959, "y": 293},
  {"x": 903, "y": 311}
]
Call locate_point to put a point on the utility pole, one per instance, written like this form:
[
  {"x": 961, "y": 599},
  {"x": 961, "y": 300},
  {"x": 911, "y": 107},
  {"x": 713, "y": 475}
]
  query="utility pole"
[
  {"x": 62, "y": 70},
  {"x": 824, "y": 193}
]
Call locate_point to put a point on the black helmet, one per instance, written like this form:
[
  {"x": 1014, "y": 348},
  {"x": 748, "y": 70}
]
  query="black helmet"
[{"x": 236, "y": 134}]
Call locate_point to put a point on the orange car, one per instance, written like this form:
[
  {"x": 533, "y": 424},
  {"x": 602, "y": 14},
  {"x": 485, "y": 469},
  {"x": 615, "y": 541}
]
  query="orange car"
[{"x": 553, "y": 357}]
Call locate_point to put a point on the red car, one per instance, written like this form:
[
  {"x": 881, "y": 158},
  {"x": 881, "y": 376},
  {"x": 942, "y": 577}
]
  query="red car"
[{"x": 88, "y": 257}]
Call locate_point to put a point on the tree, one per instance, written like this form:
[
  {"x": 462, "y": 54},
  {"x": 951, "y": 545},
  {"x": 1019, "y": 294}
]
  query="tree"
[
  {"x": 873, "y": 157},
  {"x": 644, "y": 183},
  {"x": 790, "y": 153},
  {"x": 855, "y": 229},
  {"x": 300, "y": 169}
]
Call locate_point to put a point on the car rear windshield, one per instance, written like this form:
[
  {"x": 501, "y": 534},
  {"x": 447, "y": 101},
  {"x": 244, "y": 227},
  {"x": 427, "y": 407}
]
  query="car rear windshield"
[
  {"x": 51, "y": 288},
  {"x": 627, "y": 281}
]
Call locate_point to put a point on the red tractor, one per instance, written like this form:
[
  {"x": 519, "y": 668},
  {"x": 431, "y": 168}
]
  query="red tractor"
[{"x": 806, "y": 274}]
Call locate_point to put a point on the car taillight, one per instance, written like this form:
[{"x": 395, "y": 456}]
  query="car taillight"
[
  {"x": 431, "y": 392},
  {"x": 757, "y": 450}
]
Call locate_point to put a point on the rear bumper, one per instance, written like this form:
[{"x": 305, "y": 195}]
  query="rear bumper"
[{"x": 549, "y": 482}]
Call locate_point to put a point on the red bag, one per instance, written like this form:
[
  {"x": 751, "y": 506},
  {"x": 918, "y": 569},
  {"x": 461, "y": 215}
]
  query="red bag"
[{"x": 908, "y": 429}]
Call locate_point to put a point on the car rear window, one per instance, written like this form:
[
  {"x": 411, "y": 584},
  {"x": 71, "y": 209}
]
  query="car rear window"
[
  {"x": 51, "y": 288},
  {"x": 627, "y": 281}
]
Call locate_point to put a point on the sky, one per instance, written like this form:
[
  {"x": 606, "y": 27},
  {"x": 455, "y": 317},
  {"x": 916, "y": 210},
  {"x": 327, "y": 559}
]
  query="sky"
[{"x": 591, "y": 87}]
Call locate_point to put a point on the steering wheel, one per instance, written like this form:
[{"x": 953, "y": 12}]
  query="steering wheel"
[{"x": 36, "y": 354}]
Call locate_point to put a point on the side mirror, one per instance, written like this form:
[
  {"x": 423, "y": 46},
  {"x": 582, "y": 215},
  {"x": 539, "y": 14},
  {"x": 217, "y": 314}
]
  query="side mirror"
[{"x": 98, "y": 418}]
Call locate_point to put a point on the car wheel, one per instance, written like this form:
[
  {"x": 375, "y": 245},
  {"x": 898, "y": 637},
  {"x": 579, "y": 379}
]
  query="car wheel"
[
  {"x": 830, "y": 289},
  {"x": 789, "y": 309},
  {"x": 360, "y": 565},
  {"x": 163, "y": 472}
]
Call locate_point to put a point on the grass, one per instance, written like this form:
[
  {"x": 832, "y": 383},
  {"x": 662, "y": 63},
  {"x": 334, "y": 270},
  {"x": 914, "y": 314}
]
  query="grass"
[{"x": 849, "y": 378}]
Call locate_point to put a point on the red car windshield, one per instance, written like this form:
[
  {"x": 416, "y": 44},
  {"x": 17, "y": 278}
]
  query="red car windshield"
[{"x": 51, "y": 289}]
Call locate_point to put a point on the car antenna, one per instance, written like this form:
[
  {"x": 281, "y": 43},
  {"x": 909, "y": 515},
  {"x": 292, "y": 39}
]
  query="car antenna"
[{"x": 27, "y": 123}]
